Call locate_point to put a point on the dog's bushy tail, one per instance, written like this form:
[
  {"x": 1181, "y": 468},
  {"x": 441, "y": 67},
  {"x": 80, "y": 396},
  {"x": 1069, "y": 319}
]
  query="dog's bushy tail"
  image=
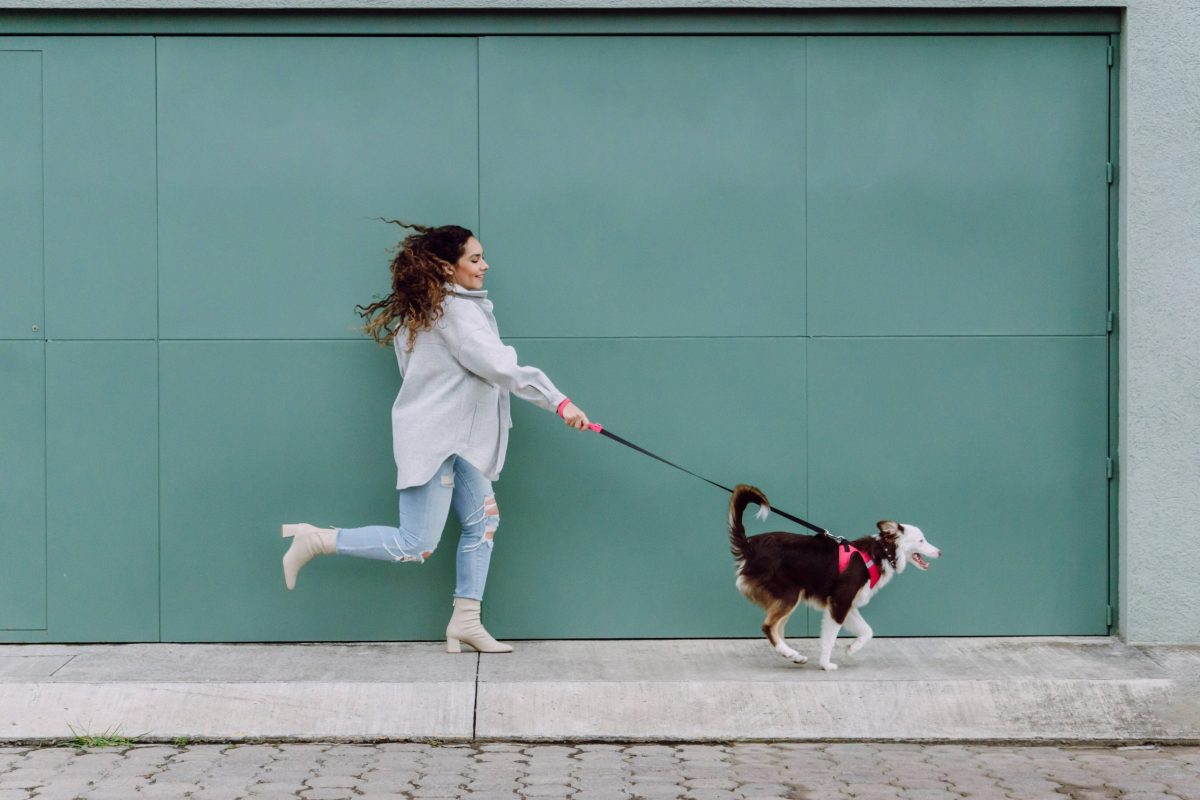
[{"x": 743, "y": 495}]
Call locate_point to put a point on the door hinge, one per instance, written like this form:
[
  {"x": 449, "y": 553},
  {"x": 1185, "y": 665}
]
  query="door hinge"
[
  {"x": 1110, "y": 55},
  {"x": 1112, "y": 321},
  {"x": 1108, "y": 468},
  {"x": 1108, "y": 616},
  {"x": 1108, "y": 171}
]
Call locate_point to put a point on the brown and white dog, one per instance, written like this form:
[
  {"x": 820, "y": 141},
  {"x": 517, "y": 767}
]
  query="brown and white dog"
[{"x": 780, "y": 570}]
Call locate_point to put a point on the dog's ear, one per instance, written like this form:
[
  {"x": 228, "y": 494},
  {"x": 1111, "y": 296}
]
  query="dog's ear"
[{"x": 888, "y": 527}]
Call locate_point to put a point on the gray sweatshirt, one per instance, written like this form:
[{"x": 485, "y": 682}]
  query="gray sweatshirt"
[{"x": 455, "y": 394}]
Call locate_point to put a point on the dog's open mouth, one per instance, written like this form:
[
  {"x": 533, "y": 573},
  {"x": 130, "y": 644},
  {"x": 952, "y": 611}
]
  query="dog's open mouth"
[{"x": 920, "y": 562}]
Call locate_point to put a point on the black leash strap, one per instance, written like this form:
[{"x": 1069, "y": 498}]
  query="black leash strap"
[{"x": 605, "y": 432}]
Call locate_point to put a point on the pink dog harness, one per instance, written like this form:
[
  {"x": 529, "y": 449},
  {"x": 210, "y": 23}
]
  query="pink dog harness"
[{"x": 846, "y": 551}]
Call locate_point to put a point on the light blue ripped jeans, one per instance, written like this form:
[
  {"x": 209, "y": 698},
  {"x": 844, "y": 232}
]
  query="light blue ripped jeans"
[{"x": 423, "y": 511}]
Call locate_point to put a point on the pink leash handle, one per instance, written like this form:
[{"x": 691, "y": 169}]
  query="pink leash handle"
[{"x": 594, "y": 426}]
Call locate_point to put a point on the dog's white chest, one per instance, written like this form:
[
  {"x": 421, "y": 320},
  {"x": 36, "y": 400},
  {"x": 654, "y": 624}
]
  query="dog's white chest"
[{"x": 867, "y": 591}]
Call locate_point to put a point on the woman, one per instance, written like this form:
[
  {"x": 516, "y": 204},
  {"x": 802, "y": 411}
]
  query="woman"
[{"x": 450, "y": 420}]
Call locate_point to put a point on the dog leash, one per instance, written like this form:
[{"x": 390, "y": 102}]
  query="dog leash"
[{"x": 600, "y": 429}]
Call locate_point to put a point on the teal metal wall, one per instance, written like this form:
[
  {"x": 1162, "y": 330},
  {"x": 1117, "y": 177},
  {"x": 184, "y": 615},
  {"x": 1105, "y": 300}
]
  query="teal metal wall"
[{"x": 868, "y": 273}]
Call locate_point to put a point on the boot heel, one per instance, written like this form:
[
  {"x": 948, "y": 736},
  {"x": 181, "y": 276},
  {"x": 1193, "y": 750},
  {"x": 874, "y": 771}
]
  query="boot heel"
[
  {"x": 465, "y": 628},
  {"x": 288, "y": 531}
]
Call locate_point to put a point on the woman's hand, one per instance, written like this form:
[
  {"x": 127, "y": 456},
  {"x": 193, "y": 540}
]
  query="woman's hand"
[{"x": 573, "y": 415}]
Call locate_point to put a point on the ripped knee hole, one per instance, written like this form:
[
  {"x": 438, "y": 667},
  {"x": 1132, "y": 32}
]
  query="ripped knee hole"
[{"x": 491, "y": 518}]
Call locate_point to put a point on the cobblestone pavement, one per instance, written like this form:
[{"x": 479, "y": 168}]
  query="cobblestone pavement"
[{"x": 600, "y": 772}]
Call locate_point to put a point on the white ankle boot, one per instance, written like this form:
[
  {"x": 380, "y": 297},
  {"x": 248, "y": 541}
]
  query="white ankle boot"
[
  {"x": 307, "y": 541},
  {"x": 465, "y": 628}
]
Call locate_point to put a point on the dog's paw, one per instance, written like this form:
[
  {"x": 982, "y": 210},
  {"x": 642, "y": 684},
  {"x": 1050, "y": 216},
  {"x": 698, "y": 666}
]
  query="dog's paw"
[
  {"x": 828, "y": 666},
  {"x": 855, "y": 646},
  {"x": 792, "y": 655}
]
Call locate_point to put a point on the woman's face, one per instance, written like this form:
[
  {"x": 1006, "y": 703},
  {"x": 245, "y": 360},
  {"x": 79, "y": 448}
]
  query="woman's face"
[{"x": 470, "y": 268}]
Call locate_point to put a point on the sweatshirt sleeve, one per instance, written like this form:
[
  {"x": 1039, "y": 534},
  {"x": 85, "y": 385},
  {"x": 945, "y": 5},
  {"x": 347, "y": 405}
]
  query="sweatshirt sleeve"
[{"x": 480, "y": 350}]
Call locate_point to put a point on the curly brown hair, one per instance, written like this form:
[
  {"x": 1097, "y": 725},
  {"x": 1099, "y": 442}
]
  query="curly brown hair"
[{"x": 420, "y": 282}]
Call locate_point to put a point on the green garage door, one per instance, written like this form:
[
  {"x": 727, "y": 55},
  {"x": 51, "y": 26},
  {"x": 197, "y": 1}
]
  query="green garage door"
[
  {"x": 22, "y": 349},
  {"x": 957, "y": 279},
  {"x": 78, "y": 361},
  {"x": 868, "y": 274}
]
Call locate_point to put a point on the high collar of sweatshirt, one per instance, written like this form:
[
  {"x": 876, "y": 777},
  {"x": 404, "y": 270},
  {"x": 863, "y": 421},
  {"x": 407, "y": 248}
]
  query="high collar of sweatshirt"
[{"x": 480, "y": 294}]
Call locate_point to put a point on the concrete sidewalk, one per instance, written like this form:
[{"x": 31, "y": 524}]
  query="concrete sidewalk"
[{"x": 965, "y": 690}]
